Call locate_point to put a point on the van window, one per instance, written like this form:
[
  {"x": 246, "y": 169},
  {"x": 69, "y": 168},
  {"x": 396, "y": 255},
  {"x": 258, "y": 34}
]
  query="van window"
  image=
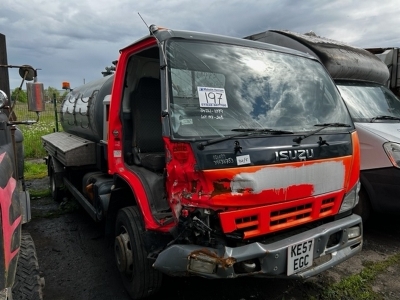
[{"x": 368, "y": 100}]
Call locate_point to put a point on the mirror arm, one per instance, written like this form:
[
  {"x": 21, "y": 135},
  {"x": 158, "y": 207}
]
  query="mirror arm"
[{"x": 27, "y": 122}]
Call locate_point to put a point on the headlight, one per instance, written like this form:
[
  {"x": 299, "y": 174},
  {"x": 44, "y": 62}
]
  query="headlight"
[
  {"x": 393, "y": 152},
  {"x": 350, "y": 199},
  {"x": 3, "y": 98}
]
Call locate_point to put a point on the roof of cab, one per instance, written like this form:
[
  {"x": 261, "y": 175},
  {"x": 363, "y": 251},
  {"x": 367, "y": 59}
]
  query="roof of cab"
[{"x": 163, "y": 34}]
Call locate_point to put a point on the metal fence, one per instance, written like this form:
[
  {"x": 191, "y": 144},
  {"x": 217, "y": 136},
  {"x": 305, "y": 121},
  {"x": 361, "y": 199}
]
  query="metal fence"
[{"x": 48, "y": 123}]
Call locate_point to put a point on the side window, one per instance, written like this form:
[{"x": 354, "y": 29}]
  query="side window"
[
  {"x": 143, "y": 143},
  {"x": 393, "y": 102}
]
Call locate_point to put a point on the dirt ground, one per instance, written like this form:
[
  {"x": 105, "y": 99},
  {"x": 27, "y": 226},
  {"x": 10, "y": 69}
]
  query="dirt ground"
[{"x": 78, "y": 263}]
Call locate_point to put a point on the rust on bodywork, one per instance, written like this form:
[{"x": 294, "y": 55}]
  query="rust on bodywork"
[{"x": 209, "y": 256}]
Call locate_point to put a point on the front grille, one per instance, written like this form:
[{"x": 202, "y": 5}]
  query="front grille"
[
  {"x": 257, "y": 221},
  {"x": 327, "y": 205},
  {"x": 290, "y": 214},
  {"x": 247, "y": 223}
]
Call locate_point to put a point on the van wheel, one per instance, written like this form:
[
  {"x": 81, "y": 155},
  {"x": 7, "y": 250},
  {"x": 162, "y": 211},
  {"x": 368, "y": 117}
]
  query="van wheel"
[
  {"x": 56, "y": 192},
  {"x": 138, "y": 276},
  {"x": 28, "y": 284},
  {"x": 363, "y": 208}
]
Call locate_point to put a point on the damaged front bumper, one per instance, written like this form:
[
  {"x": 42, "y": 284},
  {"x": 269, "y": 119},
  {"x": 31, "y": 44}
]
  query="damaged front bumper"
[{"x": 300, "y": 256}]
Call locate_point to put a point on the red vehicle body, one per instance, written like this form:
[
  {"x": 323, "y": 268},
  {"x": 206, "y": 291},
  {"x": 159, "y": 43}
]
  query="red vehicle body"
[
  {"x": 198, "y": 161},
  {"x": 19, "y": 276}
]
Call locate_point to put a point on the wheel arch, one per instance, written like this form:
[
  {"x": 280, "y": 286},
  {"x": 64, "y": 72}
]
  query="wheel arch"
[
  {"x": 134, "y": 189},
  {"x": 369, "y": 191},
  {"x": 122, "y": 195}
]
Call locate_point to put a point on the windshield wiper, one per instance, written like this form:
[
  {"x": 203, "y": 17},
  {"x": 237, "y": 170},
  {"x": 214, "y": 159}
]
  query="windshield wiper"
[
  {"x": 323, "y": 126},
  {"x": 243, "y": 132},
  {"x": 384, "y": 118},
  {"x": 262, "y": 130}
]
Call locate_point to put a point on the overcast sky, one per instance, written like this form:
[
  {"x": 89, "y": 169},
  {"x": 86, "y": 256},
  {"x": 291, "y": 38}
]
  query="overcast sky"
[{"x": 75, "y": 40}]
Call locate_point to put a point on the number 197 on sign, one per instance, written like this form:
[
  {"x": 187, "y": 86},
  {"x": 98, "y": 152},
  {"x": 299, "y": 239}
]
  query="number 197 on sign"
[{"x": 212, "y": 97}]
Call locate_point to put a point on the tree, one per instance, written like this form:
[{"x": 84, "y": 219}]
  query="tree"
[
  {"x": 50, "y": 91},
  {"x": 19, "y": 95},
  {"x": 64, "y": 95}
]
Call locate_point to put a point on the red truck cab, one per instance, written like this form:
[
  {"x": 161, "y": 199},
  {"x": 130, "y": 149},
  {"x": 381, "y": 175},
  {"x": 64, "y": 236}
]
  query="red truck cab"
[{"x": 217, "y": 157}]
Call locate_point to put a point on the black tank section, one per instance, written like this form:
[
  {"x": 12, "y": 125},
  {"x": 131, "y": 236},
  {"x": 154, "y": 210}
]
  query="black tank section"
[
  {"x": 82, "y": 110},
  {"x": 341, "y": 60}
]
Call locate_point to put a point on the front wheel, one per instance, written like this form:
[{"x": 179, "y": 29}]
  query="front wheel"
[
  {"x": 28, "y": 284},
  {"x": 138, "y": 276}
]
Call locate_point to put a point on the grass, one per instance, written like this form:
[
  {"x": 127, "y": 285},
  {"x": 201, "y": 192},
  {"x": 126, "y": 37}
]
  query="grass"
[
  {"x": 358, "y": 286},
  {"x": 33, "y": 170}
]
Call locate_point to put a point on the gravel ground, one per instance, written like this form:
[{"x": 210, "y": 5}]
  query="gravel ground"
[{"x": 78, "y": 264}]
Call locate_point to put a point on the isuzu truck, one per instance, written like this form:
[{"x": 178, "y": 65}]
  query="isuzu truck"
[{"x": 206, "y": 155}]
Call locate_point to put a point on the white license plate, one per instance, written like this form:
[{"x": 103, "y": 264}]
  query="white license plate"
[{"x": 300, "y": 256}]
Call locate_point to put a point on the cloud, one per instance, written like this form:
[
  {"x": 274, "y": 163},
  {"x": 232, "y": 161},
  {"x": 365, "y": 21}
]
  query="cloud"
[{"x": 74, "y": 40}]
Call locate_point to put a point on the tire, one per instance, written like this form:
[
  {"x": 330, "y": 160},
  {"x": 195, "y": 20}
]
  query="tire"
[
  {"x": 28, "y": 284},
  {"x": 138, "y": 276},
  {"x": 56, "y": 192},
  {"x": 363, "y": 208}
]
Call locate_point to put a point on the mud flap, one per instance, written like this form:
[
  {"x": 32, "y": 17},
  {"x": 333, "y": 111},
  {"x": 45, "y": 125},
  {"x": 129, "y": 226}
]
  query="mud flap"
[{"x": 25, "y": 202}]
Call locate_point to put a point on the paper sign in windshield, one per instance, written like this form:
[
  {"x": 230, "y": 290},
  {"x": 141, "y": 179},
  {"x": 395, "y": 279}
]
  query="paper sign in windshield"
[{"x": 212, "y": 97}]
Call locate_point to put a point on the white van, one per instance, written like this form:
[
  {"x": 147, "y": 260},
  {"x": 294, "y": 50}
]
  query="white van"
[
  {"x": 361, "y": 78},
  {"x": 376, "y": 114}
]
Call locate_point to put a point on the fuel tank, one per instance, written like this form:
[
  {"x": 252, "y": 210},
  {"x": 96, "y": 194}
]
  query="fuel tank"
[{"x": 82, "y": 110}]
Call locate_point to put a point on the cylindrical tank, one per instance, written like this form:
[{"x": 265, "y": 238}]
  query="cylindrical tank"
[{"x": 82, "y": 109}]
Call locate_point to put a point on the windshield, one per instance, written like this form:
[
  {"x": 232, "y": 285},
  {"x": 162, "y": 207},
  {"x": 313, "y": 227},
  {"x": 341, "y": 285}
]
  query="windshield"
[
  {"x": 217, "y": 88},
  {"x": 368, "y": 100}
]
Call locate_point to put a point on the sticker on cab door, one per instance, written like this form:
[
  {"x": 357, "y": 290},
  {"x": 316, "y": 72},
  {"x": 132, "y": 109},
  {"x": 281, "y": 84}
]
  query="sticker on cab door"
[{"x": 243, "y": 160}]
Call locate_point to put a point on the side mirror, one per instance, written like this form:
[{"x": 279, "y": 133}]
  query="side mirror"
[{"x": 27, "y": 72}]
